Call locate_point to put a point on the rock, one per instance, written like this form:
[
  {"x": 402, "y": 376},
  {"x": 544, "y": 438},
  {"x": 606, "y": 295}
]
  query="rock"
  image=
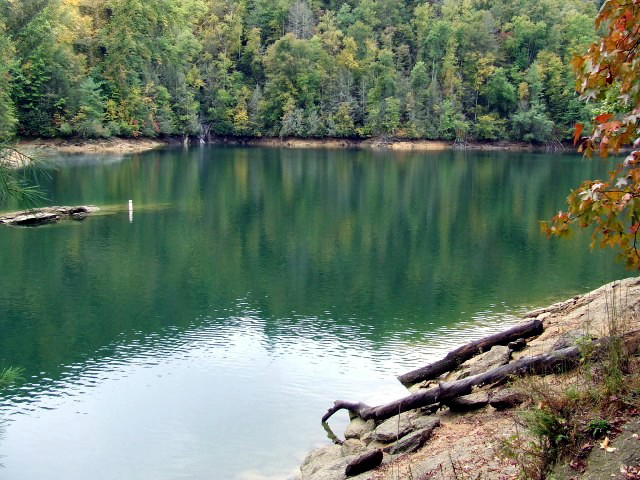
[
  {"x": 325, "y": 463},
  {"x": 413, "y": 442},
  {"x": 517, "y": 345},
  {"x": 498, "y": 355},
  {"x": 367, "y": 438},
  {"x": 543, "y": 316},
  {"x": 414, "y": 388},
  {"x": 358, "y": 427},
  {"x": 42, "y": 216},
  {"x": 34, "y": 219},
  {"x": 470, "y": 402},
  {"x": 430, "y": 409},
  {"x": 316, "y": 458},
  {"x": 397, "y": 427},
  {"x": 601, "y": 464},
  {"x": 571, "y": 338},
  {"x": 506, "y": 399},
  {"x": 420, "y": 385},
  {"x": 364, "y": 463},
  {"x": 352, "y": 446}
]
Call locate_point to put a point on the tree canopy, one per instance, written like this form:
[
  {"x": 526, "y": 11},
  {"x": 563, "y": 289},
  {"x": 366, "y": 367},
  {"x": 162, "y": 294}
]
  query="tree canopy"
[
  {"x": 609, "y": 74},
  {"x": 450, "y": 69}
]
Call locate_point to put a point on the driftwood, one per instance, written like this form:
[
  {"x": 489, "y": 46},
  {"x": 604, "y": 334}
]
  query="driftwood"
[
  {"x": 553, "y": 362},
  {"x": 460, "y": 355}
]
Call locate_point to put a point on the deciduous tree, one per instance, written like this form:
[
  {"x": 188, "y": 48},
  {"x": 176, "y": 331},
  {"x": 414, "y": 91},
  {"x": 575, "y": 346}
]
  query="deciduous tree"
[{"x": 610, "y": 73}]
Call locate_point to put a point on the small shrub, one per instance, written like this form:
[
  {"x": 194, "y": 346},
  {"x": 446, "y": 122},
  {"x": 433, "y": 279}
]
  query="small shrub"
[
  {"x": 547, "y": 425},
  {"x": 598, "y": 427}
]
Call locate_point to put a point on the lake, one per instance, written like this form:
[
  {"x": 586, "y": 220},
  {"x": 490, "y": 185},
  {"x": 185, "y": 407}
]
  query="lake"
[{"x": 204, "y": 337}]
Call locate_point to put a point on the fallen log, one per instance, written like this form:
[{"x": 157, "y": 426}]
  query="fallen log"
[
  {"x": 553, "y": 362},
  {"x": 364, "y": 463},
  {"x": 460, "y": 355}
]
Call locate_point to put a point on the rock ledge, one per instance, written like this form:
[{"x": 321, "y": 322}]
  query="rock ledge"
[{"x": 43, "y": 216}]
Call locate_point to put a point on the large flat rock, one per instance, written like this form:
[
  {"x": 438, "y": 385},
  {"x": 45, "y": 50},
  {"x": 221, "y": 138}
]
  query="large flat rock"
[
  {"x": 397, "y": 427},
  {"x": 496, "y": 357},
  {"x": 43, "y": 216},
  {"x": 414, "y": 441},
  {"x": 470, "y": 402}
]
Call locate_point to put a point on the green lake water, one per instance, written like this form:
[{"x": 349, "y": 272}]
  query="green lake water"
[{"x": 205, "y": 337}]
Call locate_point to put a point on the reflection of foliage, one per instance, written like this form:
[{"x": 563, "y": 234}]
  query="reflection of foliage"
[
  {"x": 18, "y": 173},
  {"x": 376, "y": 244},
  {"x": 611, "y": 67}
]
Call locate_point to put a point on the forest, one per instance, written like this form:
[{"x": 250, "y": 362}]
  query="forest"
[{"x": 457, "y": 70}]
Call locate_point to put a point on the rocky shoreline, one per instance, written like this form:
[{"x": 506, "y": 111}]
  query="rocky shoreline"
[
  {"x": 399, "y": 145},
  {"x": 138, "y": 145},
  {"x": 84, "y": 145},
  {"x": 461, "y": 439}
]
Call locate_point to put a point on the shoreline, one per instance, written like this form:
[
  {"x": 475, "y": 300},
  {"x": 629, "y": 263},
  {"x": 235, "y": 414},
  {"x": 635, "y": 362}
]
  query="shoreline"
[
  {"x": 139, "y": 145},
  {"x": 429, "y": 446},
  {"x": 399, "y": 145}
]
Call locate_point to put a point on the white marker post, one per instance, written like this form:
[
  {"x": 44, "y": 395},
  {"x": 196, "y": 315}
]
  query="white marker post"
[{"x": 130, "y": 211}]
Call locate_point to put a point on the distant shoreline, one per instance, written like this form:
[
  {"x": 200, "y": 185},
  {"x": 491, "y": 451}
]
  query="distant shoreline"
[
  {"x": 138, "y": 145},
  {"x": 374, "y": 144}
]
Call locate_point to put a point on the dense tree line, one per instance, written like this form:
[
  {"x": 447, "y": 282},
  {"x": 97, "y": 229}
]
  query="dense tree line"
[{"x": 442, "y": 69}]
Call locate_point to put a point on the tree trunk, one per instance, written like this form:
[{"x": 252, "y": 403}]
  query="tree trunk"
[
  {"x": 460, "y": 355},
  {"x": 553, "y": 362}
]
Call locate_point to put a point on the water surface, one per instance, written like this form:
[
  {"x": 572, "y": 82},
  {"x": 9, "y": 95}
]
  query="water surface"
[{"x": 205, "y": 338}]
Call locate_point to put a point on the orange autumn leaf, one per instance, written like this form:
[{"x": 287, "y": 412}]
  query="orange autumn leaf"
[
  {"x": 602, "y": 118},
  {"x": 576, "y": 132}
]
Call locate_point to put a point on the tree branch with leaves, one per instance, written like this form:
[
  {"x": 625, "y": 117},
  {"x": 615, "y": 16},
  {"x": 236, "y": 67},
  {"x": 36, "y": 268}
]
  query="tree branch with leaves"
[{"x": 610, "y": 73}]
